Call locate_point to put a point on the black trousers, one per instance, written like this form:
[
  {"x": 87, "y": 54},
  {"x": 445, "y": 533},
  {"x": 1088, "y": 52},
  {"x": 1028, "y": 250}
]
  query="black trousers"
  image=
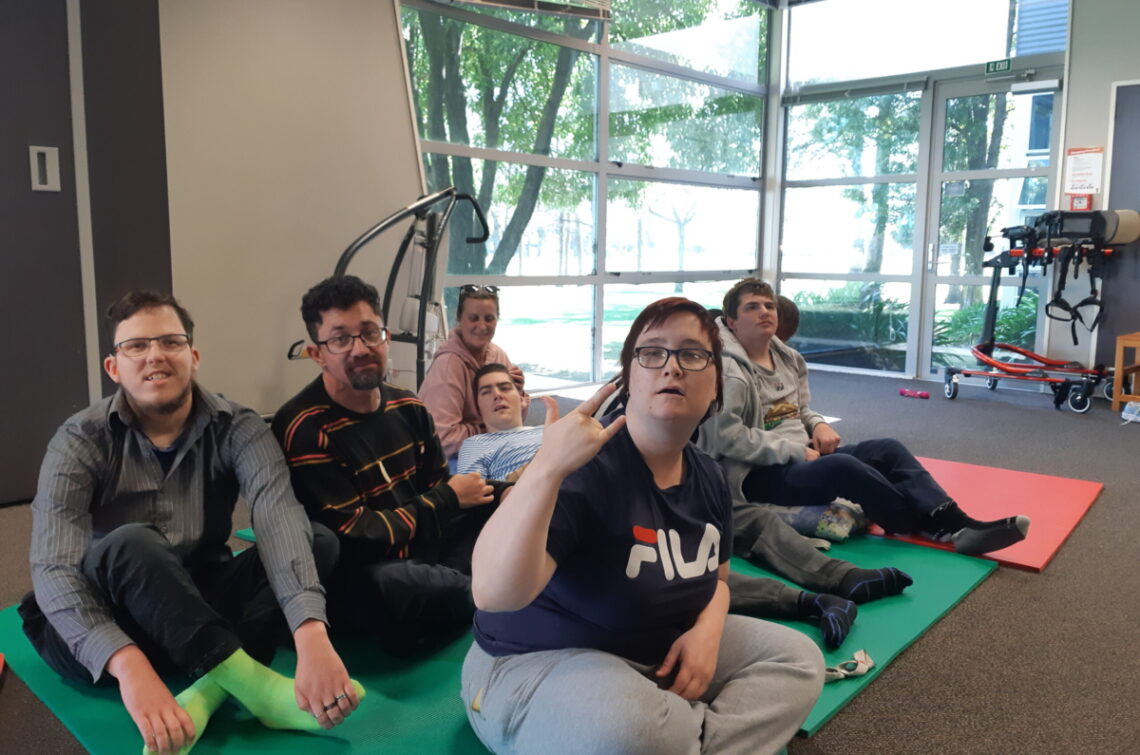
[
  {"x": 881, "y": 475},
  {"x": 413, "y": 603},
  {"x": 186, "y": 618}
]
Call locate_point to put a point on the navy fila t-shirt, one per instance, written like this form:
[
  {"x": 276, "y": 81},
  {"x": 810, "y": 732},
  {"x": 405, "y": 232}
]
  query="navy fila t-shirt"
[{"x": 636, "y": 564}]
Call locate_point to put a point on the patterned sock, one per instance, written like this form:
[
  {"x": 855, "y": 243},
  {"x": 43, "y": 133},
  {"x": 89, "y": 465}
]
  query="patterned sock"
[
  {"x": 834, "y": 615},
  {"x": 863, "y": 585},
  {"x": 268, "y": 695},
  {"x": 199, "y": 700}
]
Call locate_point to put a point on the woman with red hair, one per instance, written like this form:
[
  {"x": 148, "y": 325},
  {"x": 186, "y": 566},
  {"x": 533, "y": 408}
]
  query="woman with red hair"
[{"x": 601, "y": 580}]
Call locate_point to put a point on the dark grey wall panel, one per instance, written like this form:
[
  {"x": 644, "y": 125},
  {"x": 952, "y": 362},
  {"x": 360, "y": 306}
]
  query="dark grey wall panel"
[
  {"x": 126, "y": 145},
  {"x": 43, "y": 378},
  {"x": 1122, "y": 278}
]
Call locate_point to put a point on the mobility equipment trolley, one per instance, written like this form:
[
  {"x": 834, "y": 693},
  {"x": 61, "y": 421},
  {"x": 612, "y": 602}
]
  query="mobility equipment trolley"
[{"x": 1086, "y": 237}]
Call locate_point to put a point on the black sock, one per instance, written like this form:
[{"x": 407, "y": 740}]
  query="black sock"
[
  {"x": 944, "y": 521},
  {"x": 862, "y": 585},
  {"x": 834, "y": 615}
]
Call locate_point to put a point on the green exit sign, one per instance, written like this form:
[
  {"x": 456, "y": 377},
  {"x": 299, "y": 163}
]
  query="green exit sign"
[{"x": 999, "y": 66}]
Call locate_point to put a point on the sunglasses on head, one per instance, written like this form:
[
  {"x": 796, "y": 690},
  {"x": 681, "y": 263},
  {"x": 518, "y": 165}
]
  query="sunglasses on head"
[{"x": 471, "y": 288}]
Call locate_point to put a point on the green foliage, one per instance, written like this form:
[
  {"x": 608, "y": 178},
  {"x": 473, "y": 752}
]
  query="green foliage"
[
  {"x": 873, "y": 136},
  {"x": 1014, "y": 325},
  {"x": 855, "y": 312},
  {"x": 477, "y": 86}
]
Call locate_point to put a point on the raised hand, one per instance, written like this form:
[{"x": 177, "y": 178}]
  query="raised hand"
[
  {"x": 552, "y": 412},
  {"x": 576, "y": 438}
]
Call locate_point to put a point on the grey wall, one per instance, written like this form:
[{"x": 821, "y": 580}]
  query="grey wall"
[
  {"x": 44, "y": 375},
  {"x": 1122, "y": 279},
  {"x": 1102, "y": 50},
  {"x": 288, "y": 132}
]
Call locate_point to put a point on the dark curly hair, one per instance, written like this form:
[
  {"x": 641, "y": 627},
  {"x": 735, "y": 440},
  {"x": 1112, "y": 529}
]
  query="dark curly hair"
[{"x": 337, "y": 292}]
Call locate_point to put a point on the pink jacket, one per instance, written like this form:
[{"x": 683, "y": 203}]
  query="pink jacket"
[{"x": 447, "y": 392}]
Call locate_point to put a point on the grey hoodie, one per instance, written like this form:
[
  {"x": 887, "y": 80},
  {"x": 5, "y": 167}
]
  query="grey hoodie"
[{"x": 765, "y": 418}]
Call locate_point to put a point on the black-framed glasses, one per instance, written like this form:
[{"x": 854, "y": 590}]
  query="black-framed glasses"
[
  {"x": 469, "y": 289},
  {"x": 655, "y": 357},
  {"x": 342, "y": 344},
  {"x": 135, "y": 348}
]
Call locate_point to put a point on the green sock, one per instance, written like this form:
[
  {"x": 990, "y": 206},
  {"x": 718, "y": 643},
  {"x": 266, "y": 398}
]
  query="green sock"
[
  {"x": 199, "y": 700},
  {"x": 265, "y": 693}
]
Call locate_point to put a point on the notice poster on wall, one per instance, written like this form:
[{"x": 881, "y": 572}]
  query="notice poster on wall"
[{"x": 1084, "y": 168}]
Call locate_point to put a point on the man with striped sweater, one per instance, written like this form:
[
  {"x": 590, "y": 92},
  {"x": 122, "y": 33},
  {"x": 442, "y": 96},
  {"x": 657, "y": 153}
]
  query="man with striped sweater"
[{"x": 365, "y": 461}]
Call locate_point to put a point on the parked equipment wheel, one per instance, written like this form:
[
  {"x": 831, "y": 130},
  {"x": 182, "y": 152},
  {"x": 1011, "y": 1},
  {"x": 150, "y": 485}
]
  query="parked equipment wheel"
[
  {"x": 950, "y": 388},
  {"x": 991, "y": 383},
  {"x": 1108, "y": 389},
  {"x": 1079, "y": 401}
]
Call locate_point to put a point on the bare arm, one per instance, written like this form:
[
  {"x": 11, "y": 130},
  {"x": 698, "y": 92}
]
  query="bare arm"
[{"x": 510, "y": 565}]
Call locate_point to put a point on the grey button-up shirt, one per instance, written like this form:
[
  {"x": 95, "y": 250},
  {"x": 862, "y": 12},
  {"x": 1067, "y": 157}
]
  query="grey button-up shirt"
[{"x": 100, "y": 472}]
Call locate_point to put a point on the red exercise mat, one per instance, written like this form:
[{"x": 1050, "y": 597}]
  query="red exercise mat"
[{"x": 1054, "y": 504}]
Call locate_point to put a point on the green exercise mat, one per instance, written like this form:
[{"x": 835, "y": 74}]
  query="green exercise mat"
[
  {"x": 413, "y": 706},
  {"x": 886, "y": 627}
]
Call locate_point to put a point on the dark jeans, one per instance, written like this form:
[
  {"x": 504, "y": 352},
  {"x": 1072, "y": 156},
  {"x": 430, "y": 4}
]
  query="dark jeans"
[
  {"x": 409, "y": 603},
  {"x": 185, "y": 618},
  {"x": 880, "y": 475}
]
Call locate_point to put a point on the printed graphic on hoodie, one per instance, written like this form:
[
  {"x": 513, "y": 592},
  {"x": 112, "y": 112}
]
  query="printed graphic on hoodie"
[{"x": 779, "y": 412}]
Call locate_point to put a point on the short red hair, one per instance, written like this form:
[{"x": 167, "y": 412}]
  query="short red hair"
[{"x": 656, "y": 314}]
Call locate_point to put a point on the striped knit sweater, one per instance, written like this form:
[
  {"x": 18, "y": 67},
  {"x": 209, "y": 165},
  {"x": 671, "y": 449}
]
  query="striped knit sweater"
[{"x": 375, "y": 479}]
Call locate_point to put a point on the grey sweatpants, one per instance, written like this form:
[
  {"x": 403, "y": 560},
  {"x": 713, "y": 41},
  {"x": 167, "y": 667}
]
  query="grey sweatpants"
[
  {"x": 761, "y": 536},
  {"x": 588, "y": 701}
]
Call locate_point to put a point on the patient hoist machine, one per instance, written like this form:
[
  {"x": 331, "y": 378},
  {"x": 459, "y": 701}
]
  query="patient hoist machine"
[
  {"x": 1068, "y": 239},
  {"x": 423, "y": 238}
]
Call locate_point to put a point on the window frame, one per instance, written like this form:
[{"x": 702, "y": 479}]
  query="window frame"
[{"x": 604, "y": 169}]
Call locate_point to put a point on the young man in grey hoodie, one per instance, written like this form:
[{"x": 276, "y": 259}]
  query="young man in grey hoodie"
[{"x": 775, "y": 449}]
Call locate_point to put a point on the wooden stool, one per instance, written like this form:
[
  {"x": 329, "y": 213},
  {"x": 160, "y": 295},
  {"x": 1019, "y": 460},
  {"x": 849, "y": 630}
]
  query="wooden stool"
[{"x": 1120, "y": 378}]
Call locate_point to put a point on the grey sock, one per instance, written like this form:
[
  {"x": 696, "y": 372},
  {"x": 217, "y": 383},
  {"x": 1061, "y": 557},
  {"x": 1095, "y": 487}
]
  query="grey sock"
[{"x": 984, "y": 537}]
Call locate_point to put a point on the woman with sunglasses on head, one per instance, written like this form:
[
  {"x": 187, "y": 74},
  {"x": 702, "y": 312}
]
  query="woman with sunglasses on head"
[
  {"x": 601, "y": 580},
  {"x": 446, "y": 390}
]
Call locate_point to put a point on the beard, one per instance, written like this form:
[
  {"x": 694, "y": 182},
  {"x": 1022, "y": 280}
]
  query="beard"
[
  {"x": 365, "y": 380},
  {"x": 172, "y": 406}
]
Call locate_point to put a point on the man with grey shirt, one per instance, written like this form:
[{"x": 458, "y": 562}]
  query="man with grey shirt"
[
  {"x": 775, "y": 449},
  {"x": 131, "y": 572}
]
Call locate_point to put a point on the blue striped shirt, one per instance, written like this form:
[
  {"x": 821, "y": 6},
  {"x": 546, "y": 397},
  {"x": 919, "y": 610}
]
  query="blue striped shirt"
[{"x": 496, "y": 455}]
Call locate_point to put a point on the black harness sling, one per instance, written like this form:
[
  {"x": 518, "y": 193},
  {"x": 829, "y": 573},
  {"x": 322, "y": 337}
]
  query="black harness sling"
[{"x": 1059, "y": 308}]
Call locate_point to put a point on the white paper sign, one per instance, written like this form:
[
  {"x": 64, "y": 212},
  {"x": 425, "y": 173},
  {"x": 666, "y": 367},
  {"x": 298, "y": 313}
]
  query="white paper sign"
[{"x": 1084, "y": 167}]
